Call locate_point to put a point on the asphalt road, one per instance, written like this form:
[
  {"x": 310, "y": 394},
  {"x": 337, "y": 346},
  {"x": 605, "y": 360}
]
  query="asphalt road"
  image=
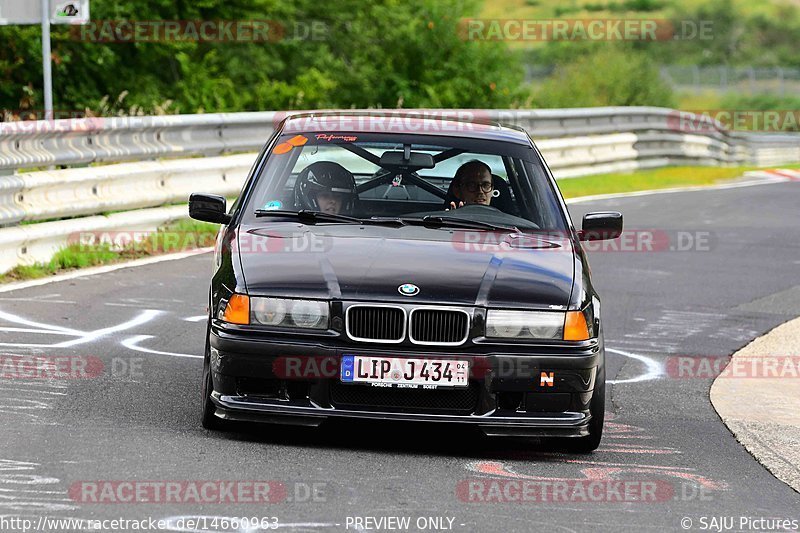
[{"x": 138, "y": 418}]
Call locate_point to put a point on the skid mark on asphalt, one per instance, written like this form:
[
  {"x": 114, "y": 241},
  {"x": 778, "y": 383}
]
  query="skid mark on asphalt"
[{"x": 667, "y": 334}]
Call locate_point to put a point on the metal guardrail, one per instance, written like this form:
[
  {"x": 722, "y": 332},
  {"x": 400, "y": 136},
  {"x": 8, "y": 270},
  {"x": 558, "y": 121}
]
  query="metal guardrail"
[
  {"x": 89, "y": 191},
  {"x": 28, "y": 244},
  {"x": 102, "y": 140},
  {"x": 575, "y": 142}
]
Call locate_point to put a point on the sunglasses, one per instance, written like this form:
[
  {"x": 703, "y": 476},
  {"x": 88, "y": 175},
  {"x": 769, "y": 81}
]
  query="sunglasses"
[{"x": 485, "y": 186}]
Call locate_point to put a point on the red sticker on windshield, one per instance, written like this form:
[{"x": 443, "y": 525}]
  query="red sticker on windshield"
[{"x": 297, "y": 140}]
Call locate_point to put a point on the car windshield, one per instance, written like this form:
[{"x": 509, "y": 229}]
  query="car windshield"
[{"x": 450, "y": 181}]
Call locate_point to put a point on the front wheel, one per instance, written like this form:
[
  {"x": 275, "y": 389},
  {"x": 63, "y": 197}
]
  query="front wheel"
[{"x": 209, "y": 419}]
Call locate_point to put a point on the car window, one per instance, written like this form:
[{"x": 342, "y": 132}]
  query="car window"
[{"x": 304, "y": 171}]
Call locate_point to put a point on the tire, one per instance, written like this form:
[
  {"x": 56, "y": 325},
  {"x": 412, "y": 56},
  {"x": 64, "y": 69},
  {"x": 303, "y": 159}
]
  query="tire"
[
  {"x": 597, "y": 408},
  {"x": 209, "y": 419}
]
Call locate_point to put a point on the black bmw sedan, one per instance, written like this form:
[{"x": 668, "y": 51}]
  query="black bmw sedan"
[{"x": 404, "y": 267}]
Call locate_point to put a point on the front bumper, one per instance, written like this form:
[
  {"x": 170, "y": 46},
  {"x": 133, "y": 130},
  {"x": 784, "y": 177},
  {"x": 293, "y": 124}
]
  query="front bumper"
[{"x": 277, "y": 379}]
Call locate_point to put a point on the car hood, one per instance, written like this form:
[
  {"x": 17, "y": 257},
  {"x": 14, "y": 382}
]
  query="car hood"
[{"x": 369, "y": 263}]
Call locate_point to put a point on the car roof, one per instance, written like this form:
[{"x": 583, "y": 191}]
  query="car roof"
[{"x": 450, "y": 123}]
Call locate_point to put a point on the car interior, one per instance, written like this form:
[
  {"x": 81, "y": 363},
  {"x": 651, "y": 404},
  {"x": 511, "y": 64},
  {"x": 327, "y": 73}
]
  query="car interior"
[{"x": 394, "y": 180}]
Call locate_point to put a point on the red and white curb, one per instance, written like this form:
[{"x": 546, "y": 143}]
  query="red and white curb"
[{"x": 787, "y": 174}]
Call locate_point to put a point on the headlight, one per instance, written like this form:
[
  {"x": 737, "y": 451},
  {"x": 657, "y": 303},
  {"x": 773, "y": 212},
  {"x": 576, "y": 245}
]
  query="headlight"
[
  {"x": 309, "y": 314},
  {"x": 269, "y": 311},
  {"x": 283, "y": 312},
  {"x": 525, "y": 324}
]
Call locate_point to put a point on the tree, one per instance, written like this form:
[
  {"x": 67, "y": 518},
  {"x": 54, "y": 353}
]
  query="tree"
[{"x": 387, "y": 53}]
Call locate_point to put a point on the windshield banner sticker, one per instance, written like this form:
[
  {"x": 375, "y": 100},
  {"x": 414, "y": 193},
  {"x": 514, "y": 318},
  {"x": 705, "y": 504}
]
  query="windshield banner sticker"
[{"x": 332, "y": 138}]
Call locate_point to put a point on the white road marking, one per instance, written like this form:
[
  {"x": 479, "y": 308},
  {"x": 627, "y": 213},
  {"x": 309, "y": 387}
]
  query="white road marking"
[
  {"x": 48, "y": 327},
  {"x": 654, "y": 368},
  {"x": 81, "y": 337},
  {"x": 197, "y": 318},
  {"x": 145, "y": 316},
  {"x": 133, "y": 344}
]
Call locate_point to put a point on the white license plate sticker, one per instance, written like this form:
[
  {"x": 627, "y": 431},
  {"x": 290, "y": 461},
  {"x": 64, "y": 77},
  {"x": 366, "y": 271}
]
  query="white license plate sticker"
[{"x": 402, "y": 372}]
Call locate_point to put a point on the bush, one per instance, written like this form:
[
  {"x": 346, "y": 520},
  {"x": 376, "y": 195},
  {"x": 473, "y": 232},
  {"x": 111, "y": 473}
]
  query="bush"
[
  {"x": 783, "y": 117},
  {"x": 608, "y": 76}
]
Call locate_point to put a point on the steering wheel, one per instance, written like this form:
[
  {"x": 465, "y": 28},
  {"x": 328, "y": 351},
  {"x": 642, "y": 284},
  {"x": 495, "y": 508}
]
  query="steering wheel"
[{"x": 477, "y": 208}]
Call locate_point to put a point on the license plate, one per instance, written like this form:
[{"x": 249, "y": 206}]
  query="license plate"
[{"x": 401, "y": 372}]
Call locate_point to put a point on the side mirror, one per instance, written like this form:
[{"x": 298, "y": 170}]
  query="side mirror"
[
  {"x": 208, "y": 208},
  {"x": 601, "y": 226}
]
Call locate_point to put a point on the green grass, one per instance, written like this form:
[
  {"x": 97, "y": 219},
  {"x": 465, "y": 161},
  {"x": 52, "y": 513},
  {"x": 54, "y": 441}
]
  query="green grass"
[
  {"x": 183, "y": 235},
  {"x": 659, "y": 178},
  {"x": 697, "y": 102}
]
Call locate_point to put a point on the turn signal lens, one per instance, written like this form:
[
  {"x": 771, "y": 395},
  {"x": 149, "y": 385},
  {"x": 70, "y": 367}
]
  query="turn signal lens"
[
  {"x": 238, "y": 310},
  {"x": 575, "y": 328}
]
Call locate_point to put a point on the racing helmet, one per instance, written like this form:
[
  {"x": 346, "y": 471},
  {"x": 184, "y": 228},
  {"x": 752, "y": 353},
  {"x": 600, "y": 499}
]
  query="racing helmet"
[{"x": 325, "y": 176}]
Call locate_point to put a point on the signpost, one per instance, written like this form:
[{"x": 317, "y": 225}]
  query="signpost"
[{"x": 45, "y": 12}]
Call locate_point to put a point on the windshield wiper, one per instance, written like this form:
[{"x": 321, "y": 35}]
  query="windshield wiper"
[
  {"x": 307, "y": 216},
  {"x": 311, "y": 217},
  {"x": 387, "y": 220},
  {"x": 456, "y": 222}
]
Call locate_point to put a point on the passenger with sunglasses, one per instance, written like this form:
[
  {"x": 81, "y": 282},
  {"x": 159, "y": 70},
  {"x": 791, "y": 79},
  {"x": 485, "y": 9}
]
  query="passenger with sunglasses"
[{"x": 472, "y": 184}]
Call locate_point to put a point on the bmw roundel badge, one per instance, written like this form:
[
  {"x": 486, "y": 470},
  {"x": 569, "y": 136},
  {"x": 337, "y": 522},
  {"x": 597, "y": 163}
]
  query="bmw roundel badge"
[{"x": 408, "y": 289}]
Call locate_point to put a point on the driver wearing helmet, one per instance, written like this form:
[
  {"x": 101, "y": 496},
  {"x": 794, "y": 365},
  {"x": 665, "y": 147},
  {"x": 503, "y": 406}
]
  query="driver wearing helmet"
[{"x": 327, "y": 187}]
